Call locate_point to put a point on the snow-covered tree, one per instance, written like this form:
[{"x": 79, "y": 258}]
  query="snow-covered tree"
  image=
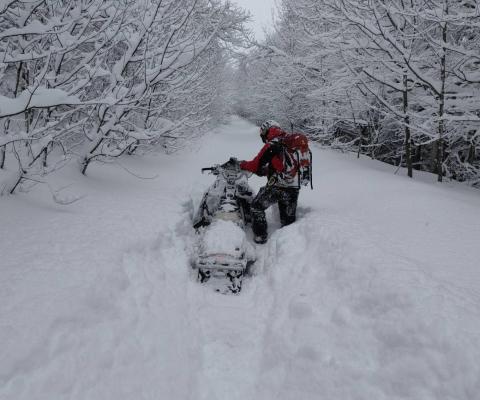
[
  {"x": 96, "y": 79},
  {"x": 395, "y": 79}
]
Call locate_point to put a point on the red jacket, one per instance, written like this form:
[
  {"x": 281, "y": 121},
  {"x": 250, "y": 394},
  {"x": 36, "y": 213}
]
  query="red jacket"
[{"x": 269, "y": 160}]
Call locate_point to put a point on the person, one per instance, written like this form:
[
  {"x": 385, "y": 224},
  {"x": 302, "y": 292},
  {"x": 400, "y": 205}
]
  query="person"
[{"x": 281, "y": 188}]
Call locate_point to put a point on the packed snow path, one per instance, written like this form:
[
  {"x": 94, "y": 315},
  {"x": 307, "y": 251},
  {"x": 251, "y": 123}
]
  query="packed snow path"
[{"x": 373, "y": 294}]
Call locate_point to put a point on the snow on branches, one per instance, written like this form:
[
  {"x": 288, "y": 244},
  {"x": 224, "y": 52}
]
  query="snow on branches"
[
  {"x": 396, "y": 80},
  {"x": 96, "y": 79}
]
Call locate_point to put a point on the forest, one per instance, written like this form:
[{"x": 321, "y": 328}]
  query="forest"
[
  {"x": 397, "y": 80},
  {"x": 94, "y": 80}
]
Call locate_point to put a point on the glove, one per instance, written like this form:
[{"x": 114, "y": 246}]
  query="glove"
[
  {"x": 231, "y": 163},
  {"x": 263, "y": 171}
]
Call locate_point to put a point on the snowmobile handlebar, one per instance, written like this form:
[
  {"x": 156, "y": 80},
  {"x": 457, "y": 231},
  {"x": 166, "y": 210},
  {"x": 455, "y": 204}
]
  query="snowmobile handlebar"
[
  {"x": 215, "y": 170},
  {"x": 230, "y": 164}
]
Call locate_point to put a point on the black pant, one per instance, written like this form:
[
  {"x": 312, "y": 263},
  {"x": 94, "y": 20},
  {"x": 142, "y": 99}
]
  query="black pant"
[{"x": 287, "y": 205}]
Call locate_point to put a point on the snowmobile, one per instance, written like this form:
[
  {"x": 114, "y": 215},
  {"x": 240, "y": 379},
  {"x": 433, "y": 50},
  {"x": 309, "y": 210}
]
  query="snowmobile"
[{"x": 223, "y": 252}]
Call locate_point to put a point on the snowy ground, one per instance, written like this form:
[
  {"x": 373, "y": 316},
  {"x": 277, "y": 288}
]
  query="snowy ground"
[{"x": 373, "y": 294}]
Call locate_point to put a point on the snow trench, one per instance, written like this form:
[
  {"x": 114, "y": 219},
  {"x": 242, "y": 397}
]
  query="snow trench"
[
  {"x": 325, "y": 315},
  {"x": 332, "y": 309}
]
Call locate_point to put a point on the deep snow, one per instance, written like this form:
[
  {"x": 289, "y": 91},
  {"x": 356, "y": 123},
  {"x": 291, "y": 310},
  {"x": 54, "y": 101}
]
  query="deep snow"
[{"x": 373, "y": 294}]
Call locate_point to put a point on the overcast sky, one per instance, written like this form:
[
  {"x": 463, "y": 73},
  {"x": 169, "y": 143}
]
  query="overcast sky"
[{"x": 262, "y": 14}]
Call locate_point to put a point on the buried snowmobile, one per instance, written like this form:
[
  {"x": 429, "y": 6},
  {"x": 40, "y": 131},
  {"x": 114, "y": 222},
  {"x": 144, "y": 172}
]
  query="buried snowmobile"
[{"x": 223, "y": 252}]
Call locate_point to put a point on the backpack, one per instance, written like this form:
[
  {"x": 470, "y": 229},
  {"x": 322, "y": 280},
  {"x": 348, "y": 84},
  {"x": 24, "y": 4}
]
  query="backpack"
[{"x": 297, "y": 158}]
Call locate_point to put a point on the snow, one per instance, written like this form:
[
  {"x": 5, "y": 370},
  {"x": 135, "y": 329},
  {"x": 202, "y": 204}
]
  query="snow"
[
  {"x": 372, "y": 294},
  {"x": 223, "y": 237},
  {"x": 34, "y": 27},
  {"x": 40, "y": 97}
]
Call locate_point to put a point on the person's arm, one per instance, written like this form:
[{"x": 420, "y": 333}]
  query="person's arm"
[
  {"x": 254, "y": 165},
  {"x": 268, "y": 156}
]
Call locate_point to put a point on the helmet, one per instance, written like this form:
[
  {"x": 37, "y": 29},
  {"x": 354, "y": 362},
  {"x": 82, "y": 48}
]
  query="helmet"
[{"x": 266, "y": 126}]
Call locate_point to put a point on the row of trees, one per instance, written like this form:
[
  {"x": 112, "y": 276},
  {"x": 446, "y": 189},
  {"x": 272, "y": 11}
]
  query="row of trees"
[
  {"x": 96, "y": 79},
  {"x": 396, "y": 79}
]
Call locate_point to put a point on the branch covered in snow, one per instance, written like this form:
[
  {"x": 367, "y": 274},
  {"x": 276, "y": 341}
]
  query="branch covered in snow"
[
  {"x": 396, "y": 80},
  {"x": 105, "y": 78}
]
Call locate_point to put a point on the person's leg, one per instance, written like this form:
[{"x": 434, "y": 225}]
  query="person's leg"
[
  {"x": 264, "y": 199},
  {"x": 287, "y": 206}
]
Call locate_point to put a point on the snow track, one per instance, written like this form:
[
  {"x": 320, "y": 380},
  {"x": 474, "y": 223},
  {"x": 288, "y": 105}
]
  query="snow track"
[
  {"x": 203, "y": 344},
  {"x": 232, "y": 330},
  {"x": 355, "y": 301}
]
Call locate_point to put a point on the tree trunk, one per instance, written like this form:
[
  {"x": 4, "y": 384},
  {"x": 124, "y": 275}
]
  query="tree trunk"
[
  {"x": 88, "y": 159},
  {"x": 441, "y": 110},
  {"x": 418, "y": 157},
  {"x": 406, "y": 120},
  {"x": 2, "y": 157},
  {"x": 471, "y": 154},
  {"x": 85, "y": 164},
  {"x": 371, "y": 141},
  {"x": 45, "y": 155},
  {"x": 359, "y": 146},
  {"x": 20, "y": 179}
]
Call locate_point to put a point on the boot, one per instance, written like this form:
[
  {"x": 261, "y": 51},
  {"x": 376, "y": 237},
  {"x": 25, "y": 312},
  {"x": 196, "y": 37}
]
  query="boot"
[{"x": 260, "y": 239}]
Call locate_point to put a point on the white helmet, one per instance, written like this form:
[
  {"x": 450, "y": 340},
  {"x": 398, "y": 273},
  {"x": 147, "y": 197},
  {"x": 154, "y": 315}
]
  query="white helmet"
[{"x": 266, "y": 126}]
